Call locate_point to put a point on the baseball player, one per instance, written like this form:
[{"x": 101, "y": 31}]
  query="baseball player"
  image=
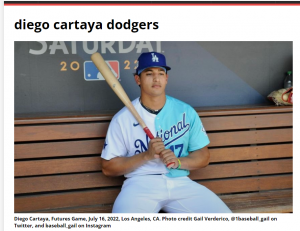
[{"x": 157, "y": 170}]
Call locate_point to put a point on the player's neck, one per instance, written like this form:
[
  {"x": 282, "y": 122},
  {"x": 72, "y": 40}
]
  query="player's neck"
[{"x": 154, "y": 103}]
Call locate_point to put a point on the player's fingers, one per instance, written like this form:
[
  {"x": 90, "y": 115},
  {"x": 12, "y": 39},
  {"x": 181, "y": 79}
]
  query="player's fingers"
[
  {"x": 172, "y": 162},
  {"x": 155, "y": 146},
  {"x": 169, "y": 160},
  {"x": 152, "y": 146},
  {"x": 171, "y": 165},
  {"x": 158, "y": 147},
  {"x": 167, "y": 153},
  {"x": 154, "y": 140}
]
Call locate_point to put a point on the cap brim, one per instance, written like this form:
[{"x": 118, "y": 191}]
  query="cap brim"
[{"x": 140, "y": 71}]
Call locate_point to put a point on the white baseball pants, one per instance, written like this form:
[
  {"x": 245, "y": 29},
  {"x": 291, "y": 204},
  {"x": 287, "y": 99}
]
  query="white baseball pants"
[{"x": 152, "y": 193}]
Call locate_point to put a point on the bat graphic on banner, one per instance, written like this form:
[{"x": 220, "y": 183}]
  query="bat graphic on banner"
[{"x": 118, "y": 89}]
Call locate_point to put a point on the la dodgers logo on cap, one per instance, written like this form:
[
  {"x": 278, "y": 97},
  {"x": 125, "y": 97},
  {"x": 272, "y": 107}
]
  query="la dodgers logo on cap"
[
  {"x": 154, "y": 57},
  {"x": 151, "y": 59}
]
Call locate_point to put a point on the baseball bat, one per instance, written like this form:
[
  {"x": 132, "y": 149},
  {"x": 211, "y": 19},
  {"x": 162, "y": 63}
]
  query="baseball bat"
[{"x": 118, "y": 89}]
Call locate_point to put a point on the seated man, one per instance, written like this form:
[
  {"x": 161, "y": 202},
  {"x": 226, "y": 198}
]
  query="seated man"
[{"x": 157, "y": 170}]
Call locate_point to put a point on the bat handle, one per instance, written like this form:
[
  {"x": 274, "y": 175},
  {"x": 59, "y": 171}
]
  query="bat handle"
[{"x": 148, "y": 132}]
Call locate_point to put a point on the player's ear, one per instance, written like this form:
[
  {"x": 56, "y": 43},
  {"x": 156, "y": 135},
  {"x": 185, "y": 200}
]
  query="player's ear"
[
  {"x": 167, "y": 77},
  {"x": 137, "y": 79}
]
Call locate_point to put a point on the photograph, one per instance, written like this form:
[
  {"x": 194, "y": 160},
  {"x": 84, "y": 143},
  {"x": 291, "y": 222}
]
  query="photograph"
[{"x": 149, "y": 127}]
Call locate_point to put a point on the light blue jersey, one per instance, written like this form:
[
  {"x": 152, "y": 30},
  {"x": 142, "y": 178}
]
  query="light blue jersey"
[
  {"x": 181, "y": 130},
  {"x": 178, "y": 124}
]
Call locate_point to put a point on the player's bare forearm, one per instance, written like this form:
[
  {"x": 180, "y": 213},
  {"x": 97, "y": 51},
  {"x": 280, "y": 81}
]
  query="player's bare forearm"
[
  {"x": 122, "y": 165},
  {"x": 195, "y": 160}
]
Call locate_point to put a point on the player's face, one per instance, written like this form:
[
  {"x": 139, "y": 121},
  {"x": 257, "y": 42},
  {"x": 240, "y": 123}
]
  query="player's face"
[{"x": 153, "y": 81}]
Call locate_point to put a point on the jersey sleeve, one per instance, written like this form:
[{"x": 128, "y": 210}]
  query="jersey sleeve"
[
  {"x": 114, "y": 145},
  {"x": 198, "y": 137}
]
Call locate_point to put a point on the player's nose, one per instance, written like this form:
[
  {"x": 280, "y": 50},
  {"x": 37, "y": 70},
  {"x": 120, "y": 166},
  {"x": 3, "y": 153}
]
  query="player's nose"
[{"x": 155, "y": 77}]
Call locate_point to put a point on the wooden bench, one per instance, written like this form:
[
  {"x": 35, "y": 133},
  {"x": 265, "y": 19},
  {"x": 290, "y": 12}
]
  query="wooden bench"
[{"x": 57, "y": 164}]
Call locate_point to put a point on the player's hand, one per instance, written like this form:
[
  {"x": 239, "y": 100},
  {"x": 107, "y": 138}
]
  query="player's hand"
[
  {"x": 155, "y": 147},
  {"x": 168, "y": 157}
]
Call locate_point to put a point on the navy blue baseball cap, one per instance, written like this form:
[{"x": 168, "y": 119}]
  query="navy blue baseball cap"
[{"x": 151, "y": 59}]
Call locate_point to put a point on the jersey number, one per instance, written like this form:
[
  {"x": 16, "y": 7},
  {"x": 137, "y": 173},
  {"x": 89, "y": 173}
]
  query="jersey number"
[{"x": 176, "y": 147}]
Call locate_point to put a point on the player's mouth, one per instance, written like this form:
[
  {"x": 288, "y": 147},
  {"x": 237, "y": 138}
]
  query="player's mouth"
[{"x": 156, "y": 86}]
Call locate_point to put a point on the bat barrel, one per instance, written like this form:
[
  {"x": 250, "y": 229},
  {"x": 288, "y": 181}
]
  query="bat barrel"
[{"x": 116, "y": 87}]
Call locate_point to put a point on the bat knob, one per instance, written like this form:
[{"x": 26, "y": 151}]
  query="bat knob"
[{"x": 169, "y": 165}]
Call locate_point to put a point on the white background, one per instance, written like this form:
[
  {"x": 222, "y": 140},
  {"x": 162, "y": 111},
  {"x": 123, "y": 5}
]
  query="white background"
[{"x": 176, "y": 23}]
